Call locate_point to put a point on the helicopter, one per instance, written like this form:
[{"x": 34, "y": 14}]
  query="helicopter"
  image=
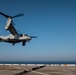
[{"x": 14, "y": 37}]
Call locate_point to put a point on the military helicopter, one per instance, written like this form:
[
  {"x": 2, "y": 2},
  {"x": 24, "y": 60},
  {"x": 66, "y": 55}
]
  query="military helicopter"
[{"x": 14, "y": 37}]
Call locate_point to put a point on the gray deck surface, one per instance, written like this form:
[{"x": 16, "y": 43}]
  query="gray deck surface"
[{"x": 27, "y": 70}]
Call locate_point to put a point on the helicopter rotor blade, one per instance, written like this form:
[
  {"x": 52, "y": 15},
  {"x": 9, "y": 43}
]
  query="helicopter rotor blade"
[
  {"x": 18, "y": 15},
  {"x": 33, "y": 36},
  {"x": 4, "y": 15}
]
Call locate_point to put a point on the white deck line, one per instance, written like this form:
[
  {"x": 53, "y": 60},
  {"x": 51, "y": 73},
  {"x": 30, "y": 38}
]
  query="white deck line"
[
  {"x": 40, "y": 73},
  {"x": 40, "y": 64}
]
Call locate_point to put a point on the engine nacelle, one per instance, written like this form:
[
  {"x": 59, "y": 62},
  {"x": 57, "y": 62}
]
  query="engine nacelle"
[{"x": 8, "y": 23}]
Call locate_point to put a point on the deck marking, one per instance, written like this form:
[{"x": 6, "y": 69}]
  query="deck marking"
[{"x": 40, "y": 73}]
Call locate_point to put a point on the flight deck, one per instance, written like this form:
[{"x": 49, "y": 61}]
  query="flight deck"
[{"x": 37, "y": 70}]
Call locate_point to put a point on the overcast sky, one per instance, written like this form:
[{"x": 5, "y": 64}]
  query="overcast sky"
[{"x": 52, "y": 21}]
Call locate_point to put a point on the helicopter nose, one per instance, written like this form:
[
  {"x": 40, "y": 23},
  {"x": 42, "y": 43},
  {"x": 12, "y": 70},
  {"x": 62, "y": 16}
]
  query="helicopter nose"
[{"x": 29, "y": 38}]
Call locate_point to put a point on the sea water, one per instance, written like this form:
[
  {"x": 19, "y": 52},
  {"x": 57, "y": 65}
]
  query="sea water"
[{"x": 37, "y": 62}]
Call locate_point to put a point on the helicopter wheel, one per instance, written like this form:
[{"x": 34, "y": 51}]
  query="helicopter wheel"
[{"x": 13, "y": 44}]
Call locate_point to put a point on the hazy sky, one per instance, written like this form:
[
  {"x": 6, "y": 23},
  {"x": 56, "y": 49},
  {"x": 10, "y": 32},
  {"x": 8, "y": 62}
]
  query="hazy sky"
[{"x": 52, "y": 21}]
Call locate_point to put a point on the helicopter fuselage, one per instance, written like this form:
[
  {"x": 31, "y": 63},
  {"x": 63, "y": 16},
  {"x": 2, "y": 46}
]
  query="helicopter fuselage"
[{"x": 14, "y": 37}]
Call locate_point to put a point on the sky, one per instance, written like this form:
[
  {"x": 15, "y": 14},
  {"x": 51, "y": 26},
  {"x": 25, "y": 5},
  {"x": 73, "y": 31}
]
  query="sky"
[{"x": 52, "y": 21}]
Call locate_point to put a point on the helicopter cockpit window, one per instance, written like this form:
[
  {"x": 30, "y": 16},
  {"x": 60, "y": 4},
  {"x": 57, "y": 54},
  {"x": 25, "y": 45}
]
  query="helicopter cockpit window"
[
  {"x": 21, "y": 35},
  {"x": 25, "y": 35}
]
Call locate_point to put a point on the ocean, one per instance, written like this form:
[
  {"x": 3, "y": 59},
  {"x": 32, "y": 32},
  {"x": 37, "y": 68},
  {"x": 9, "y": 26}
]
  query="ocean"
[{"x": 37, "y": 62}]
